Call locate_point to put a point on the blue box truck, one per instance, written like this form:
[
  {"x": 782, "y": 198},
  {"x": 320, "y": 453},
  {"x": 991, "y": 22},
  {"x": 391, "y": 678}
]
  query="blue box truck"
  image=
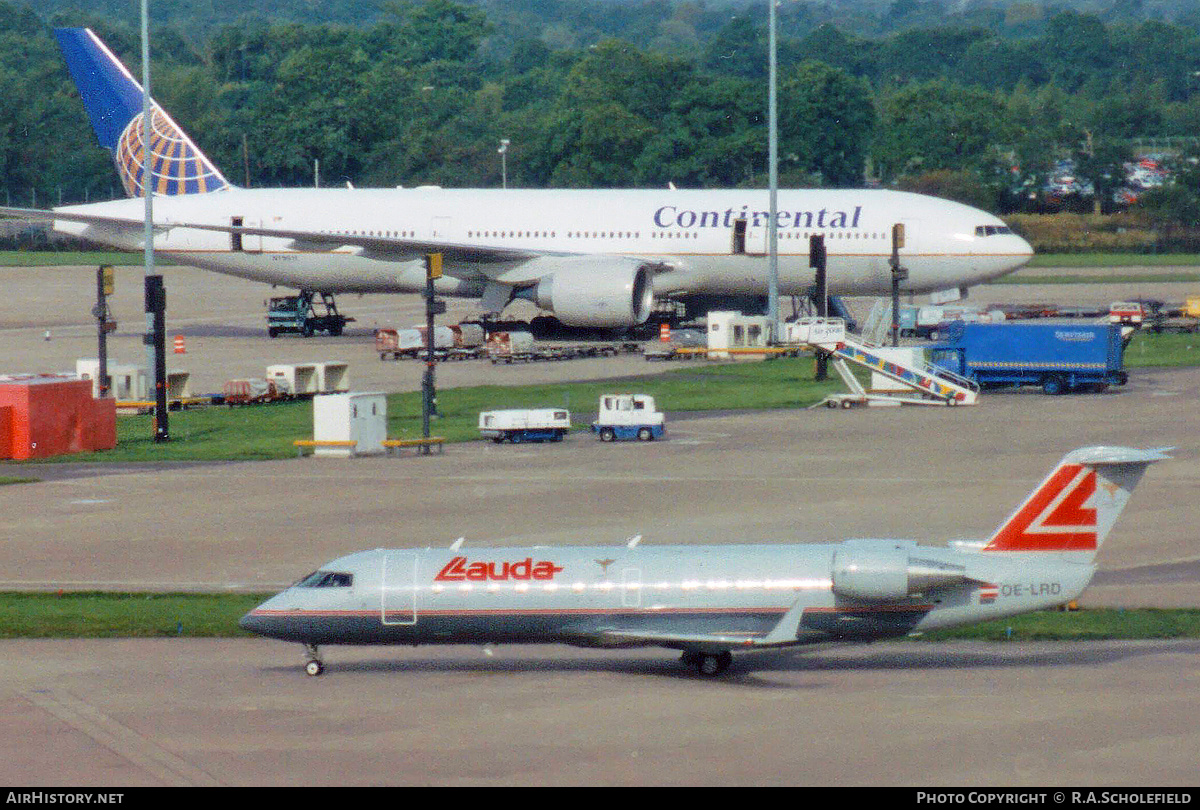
[{"x": 1060, "y": 357}]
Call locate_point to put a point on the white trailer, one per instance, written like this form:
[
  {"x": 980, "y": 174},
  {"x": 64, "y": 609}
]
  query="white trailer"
[{"x": 525, "y": 425}]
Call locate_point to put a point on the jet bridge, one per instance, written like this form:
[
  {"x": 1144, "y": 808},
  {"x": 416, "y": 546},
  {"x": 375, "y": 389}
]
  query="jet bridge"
[{"x": 918, "y": 383}]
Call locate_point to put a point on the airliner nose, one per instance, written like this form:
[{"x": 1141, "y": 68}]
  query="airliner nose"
[
  {"x": 251, "y": 623},
  {"x": 1024, "y": 248}
]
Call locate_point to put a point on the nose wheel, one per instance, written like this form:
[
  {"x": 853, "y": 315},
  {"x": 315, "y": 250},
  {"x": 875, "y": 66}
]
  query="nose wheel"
[{"x": 313, "y": 665}]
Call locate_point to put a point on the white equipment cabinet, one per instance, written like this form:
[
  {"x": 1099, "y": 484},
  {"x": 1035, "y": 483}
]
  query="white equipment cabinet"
[{"x": 351, "y": 417}]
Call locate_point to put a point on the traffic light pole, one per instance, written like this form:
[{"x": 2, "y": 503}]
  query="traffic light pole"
[
  {"x": 898, "y": 274},
  {"x": 433, "y": 306},
  {"x": 816, "y": 260}
]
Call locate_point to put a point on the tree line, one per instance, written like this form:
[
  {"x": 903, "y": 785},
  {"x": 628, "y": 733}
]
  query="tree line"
[{"x": 423, "y": 92}]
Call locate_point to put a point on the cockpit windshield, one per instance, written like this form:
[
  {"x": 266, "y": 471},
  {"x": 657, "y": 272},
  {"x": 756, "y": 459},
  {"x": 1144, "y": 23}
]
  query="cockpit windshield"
[
  {"x": 326, "y": 579},
  {"x": 991, "y": 230}
]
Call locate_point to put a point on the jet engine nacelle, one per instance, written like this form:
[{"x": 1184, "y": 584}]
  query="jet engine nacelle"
[
  {"x": 882, "y": 575},
  {"x": 603, "y": 293}
]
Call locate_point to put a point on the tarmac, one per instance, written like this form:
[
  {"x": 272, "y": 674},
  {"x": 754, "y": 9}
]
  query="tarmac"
[{"x": 241, "y": 712}]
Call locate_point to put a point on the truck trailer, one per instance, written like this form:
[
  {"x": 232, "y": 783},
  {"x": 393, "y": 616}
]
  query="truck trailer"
[
  {"x": 1060, "y": 357},
  {"x": 525, "y": 425}
]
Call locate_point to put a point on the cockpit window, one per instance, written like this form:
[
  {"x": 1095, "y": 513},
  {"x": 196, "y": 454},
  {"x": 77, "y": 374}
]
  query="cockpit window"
[
  {"x": 326, "y": 579},
  {"x": 991, "y": 230}
]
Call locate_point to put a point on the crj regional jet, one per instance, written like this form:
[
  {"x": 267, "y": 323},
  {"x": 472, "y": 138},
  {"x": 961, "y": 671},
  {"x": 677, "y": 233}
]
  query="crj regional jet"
[
  {"x": 595, "y": 258},
  {"x": 710, "y": 600}
]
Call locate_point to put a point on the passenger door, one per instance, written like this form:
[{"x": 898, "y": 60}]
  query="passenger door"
[{"x": 398, "y": 588}]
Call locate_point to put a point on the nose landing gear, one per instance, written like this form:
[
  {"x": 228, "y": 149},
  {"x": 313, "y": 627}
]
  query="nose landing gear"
[{"x": 313, "y": 665}]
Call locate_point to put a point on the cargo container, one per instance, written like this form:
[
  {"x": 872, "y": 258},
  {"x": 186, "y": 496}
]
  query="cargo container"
[
  {"x": 1059, "y": 357},
  {"x": 510, "y": 346}
]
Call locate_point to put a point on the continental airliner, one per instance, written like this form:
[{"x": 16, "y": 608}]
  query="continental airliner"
[
  {"x": 595, "y": 258},
  {"x": 711, "y": 601}
]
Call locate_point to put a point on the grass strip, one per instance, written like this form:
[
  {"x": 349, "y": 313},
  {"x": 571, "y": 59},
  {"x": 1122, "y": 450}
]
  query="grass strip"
[
  {"x": 98, "y": 614},
  {"x": 1081, "y": 625},
  {"x": 5, "y": 480},
  {"x": 1114, "y": 260},
  {"x": 1113, "y": 278},
  {"x": 1148, "y": 350},
  {"x": 267, "y": 431},
  {"x": 102, "y": 614},
  {"x": 57, "y": 258}
]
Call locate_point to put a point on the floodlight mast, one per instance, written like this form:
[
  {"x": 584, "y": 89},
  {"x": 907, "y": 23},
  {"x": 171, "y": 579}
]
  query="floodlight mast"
[
  {"x": 155, "y": 292},
  {"x": 773, "y": 175}
]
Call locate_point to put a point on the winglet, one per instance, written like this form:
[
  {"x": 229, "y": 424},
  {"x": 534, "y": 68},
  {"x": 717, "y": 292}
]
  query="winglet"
[{"x": 113, "y": 99}]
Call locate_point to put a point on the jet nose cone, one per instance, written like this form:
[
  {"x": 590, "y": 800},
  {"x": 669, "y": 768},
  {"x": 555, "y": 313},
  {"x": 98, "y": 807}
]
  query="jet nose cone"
[
  {"x": 1024, "y": 248},
  {"x": 250, "y": 623}
]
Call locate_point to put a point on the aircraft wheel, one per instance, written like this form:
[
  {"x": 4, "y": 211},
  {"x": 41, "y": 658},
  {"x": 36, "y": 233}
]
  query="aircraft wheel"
[
  {"x": 314, "y": 668},
  {"x": 710, "y": 666},
  {"x": 690, "y": 658}
]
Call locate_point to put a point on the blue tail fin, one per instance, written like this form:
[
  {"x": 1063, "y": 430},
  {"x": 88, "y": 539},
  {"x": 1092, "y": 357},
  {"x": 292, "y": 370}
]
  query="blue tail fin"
[{"x": 113, "y": 99}]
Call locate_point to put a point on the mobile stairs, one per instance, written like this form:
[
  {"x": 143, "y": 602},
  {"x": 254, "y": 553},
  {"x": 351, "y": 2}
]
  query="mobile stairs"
[{"x": 918, "y": 383}]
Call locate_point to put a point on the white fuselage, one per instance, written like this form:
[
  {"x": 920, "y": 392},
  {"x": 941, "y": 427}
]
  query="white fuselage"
[{"x": 688, "y": 235}]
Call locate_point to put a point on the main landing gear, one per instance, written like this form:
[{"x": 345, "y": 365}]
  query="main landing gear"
[
  {"x": 313, "y": 666},
  {"x": 708, "y": 665}
]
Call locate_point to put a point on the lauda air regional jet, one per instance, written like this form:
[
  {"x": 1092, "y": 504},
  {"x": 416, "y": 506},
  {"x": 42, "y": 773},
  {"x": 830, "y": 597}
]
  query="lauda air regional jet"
[
  {"x": 595, "y": 258},
  {"x": 709, "y": 601}
]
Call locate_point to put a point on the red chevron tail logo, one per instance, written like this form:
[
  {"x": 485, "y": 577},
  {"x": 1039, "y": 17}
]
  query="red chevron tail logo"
[{"x": 1058, "y": 516}]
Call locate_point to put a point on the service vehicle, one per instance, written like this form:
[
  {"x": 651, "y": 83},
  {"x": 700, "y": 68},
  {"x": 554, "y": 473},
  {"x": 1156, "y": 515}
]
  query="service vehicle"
[
  {"x": 1060, "y": 357},
  {"x": 525, "y": 425},
  {"x": 628, "y": 416},
  {"x": 304, "y": 314}
]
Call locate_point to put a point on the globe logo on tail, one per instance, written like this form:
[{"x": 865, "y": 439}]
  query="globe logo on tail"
[{"x": 177, "y": 166}]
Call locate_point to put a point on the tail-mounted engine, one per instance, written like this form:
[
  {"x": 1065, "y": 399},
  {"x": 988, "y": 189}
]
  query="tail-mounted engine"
[{"x": 884, "y": 575}]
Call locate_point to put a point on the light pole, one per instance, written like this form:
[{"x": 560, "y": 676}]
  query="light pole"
[
  {"x": 503, "y": 150},
  {"x": 773, "y": 182}
]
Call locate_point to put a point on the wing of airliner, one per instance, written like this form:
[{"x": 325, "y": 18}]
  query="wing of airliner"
[{"x": 516, "y": 265}]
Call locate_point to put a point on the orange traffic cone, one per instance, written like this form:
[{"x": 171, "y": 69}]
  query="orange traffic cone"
[{"x": 179, "y": 347}]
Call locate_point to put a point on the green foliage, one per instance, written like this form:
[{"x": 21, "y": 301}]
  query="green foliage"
[
  {"x": 611, "y": 93},
  {"x": 938, "y": 125}
]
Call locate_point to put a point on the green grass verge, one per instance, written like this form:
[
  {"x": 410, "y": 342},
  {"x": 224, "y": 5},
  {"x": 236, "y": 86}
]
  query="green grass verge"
[
  {"x": 1148, "y": 350},
  {"x": 55, "y": 258},
  {"x": 1022, "y": 277},
  {"x": 1114, "y": 260},
  {"x": 96, "y": 614},
  {"x": 1082, "y": 625},
  {"x": 267, "y": 431},
  {"x": 5, "y": 480}
]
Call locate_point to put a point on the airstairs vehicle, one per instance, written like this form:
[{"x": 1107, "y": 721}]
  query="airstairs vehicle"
[{"x": 910, "y": 380}]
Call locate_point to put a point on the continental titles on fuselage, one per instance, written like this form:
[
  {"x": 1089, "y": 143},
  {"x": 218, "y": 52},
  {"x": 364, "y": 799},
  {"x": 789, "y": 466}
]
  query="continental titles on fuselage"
[{"x": 670, "y": 216}]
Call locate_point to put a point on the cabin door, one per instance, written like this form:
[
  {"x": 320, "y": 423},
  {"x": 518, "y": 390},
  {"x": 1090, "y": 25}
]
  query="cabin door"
[
  {"x": 398, "y": 588},
  {"x": 631, "y": 587}
]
